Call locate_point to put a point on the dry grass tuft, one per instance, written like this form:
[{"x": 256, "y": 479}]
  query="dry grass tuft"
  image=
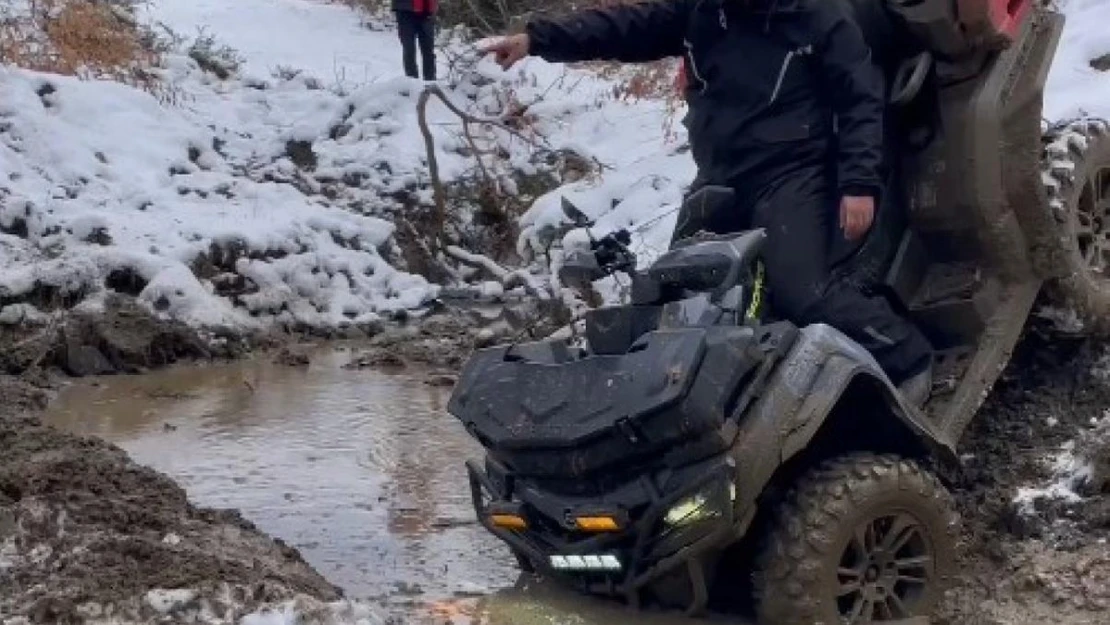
[{"x": 87, "y": 38}]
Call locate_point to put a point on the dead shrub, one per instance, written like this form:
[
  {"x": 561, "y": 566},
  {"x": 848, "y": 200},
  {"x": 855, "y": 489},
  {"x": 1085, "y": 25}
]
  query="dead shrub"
[
  {"x": 214, "y": 57},
  {"x": 87, "y": 38}
]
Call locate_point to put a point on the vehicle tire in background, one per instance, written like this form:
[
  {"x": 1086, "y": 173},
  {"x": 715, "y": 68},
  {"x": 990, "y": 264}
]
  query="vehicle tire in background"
[
  {"x": 861, "y": 538},
  {"x": 1075, "y": 171}
]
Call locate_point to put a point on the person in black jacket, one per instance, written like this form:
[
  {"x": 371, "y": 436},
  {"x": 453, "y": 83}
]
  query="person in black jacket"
[
  {"x": 416, "y": 23},
  {"x": 785, "y": 106}
]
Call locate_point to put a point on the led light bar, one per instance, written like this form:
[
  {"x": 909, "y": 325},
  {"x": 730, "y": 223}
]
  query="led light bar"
[{"x": 586, "y": 563}]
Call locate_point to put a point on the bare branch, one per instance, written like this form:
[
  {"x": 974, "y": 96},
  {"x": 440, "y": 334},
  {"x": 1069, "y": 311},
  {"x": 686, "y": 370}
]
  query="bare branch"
[
  {"x": 439, "y": 194},
  {"x": 508, "y": 279}
]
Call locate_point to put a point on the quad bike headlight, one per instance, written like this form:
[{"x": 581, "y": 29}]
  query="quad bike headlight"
[{"x": 698, "y": 507}]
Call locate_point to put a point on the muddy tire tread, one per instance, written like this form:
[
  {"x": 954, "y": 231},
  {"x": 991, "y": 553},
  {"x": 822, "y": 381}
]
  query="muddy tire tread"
[
  {"x": 804, "y": 534},
  {"x": 1066, "y": 154}
]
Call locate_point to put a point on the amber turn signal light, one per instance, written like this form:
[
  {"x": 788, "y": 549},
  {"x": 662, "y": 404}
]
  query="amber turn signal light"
[
  {"x": 596, "y": 524},
  {"x": 508, "y": 521}
]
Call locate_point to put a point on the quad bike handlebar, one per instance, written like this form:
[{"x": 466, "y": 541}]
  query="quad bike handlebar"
[
  {"x": 701, "y": 261},
  {"x": 608, "y": 255}
]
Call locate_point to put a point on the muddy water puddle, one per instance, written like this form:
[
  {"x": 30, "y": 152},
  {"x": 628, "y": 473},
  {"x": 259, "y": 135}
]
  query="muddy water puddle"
[{"x": 360, "y": 470}]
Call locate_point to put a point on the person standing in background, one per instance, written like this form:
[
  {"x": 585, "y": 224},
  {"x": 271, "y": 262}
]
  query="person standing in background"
[{"x": 416, "y": 24}]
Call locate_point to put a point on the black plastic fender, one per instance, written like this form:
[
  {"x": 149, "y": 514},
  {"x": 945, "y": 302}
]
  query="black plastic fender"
[{"x": 799, "y": 398}]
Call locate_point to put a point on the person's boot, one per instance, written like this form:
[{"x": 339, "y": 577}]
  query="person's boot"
[{"x": 918, "y": 387}]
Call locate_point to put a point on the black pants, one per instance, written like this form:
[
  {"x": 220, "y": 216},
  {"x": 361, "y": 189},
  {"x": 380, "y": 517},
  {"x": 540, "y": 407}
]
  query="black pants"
[
  {"x": 417, "y": 29},
  {"x": 800, "y": 213}
]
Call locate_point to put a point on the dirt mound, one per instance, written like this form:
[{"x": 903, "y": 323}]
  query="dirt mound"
[
  {"x": 1044, "y": 557},
  {"x": 119, "y": 337},
  {"x": 86, "y": 532},
  {"x": 447, "y": 336},
  {"x": 80, "y": 523}
]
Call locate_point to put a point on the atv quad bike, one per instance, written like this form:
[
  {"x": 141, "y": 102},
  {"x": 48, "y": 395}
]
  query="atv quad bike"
[{"x": 693, "y": 429}]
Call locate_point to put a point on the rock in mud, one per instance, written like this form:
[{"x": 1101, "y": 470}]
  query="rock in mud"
[
  {"x": 292, "y": 358},
  {"x": 376, "y": 358},
  {"x": 85, "y": 360},
  {"x": 1093, "y": 447},
  {"x": 132, "y": 339},
  {"x": 120, "y": 337},
  {"x": 441, "y": 380}
]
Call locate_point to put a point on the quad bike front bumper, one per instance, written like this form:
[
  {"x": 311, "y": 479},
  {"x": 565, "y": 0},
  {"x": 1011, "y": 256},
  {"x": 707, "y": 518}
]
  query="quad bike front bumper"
[{"x": 655, "y": 533}]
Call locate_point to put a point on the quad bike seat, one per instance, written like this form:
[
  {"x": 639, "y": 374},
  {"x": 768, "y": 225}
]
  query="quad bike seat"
[{"x": 705, "y": 260}]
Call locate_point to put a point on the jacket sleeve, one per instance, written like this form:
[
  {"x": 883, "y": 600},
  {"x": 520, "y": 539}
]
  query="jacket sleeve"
[
  {"x": 632, "y": 33},
  {"x": 855, "y": 85}
]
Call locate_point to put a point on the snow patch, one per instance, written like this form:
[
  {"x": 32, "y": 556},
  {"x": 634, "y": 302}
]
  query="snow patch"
[
  {"x": 9, "y": 554},
  {"x": 1078, "y": 468},
  {"x": 1069, "y": 473},
  {"x": 166, "y": 601},
  {"x": 1074, "y": 87},
  {"x": 154, "y": 190},
  {"x": 297, "y": 612}
]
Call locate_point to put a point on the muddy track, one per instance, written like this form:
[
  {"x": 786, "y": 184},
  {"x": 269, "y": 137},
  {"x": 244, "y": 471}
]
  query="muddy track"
[{"x": 1051, "y": 564}]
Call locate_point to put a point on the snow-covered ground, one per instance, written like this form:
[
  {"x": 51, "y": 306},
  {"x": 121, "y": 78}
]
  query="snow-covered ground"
[
  {"x": 1074, "y": 87},
  {"x": 326, "y": 40},
  {"x": 199, "y": 198},
  {"x": 101, "y": 178},
  {"x": 199, "y": 193}
]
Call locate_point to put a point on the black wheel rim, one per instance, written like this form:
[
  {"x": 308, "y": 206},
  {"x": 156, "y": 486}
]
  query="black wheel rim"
[
  {"x": 1092, "y": 221},
  {"x": 885, "y": 570}
]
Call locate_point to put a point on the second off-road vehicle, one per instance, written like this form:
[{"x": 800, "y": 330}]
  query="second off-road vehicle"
[{"x": 692, "y": 429}]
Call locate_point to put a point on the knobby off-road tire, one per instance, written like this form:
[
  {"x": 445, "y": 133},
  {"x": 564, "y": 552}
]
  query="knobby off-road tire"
[
  {"x": 861, "y": 538},
  {"x": 1075, "y": 171}
]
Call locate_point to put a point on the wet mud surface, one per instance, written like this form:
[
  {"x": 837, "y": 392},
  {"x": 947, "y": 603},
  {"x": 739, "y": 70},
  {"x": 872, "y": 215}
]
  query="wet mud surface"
[
  {"x": 82, "y": 526},
  {"x": 86, "y": 532},
  {"x": 1048, "y": 563}
]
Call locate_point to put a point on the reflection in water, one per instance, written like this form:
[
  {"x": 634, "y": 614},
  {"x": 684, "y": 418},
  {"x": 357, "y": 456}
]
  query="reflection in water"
[
  {"x": 362, "y": 471},
  {"x": 530, "y": 602}
]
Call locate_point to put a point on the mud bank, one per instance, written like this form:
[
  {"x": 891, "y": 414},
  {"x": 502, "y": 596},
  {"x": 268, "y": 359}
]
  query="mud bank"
[
  {"x": 446, "y": 336},
  {"x": 89, "y": 535},
  {"x": 85, "y": 532},
  {"x": 1043, "y": 558}
]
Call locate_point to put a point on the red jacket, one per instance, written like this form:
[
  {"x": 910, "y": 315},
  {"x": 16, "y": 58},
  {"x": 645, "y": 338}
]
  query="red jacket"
[{"x": 420, "y": 7}]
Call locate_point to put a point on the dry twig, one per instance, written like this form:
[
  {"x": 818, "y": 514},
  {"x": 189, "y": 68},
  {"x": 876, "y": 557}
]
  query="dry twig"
[{"x": 439, "y": 192}]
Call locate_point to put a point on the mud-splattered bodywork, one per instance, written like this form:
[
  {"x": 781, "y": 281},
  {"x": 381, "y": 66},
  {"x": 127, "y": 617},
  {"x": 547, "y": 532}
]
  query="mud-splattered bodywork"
[
  {"x": 696, "y": 413},
  {"x": 675, "y": 404}
]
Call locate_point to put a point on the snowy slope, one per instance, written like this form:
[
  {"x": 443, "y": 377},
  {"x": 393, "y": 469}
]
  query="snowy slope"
[
  {"x": 1074, "y": 87},
  {"x": 575, "y": 109},
  {"x": 200, "y": 199},
  {"x": 323, "y": 39},
  {"x": 644, "y": 171},
  {"x": 101, "y": 177}
]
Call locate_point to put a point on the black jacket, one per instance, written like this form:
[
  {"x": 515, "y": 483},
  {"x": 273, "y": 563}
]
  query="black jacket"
[{"x": 765, "y": 81}]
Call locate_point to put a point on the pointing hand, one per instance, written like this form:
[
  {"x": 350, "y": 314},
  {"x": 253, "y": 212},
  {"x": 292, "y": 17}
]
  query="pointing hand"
[{"x": 508, "y": 50}]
